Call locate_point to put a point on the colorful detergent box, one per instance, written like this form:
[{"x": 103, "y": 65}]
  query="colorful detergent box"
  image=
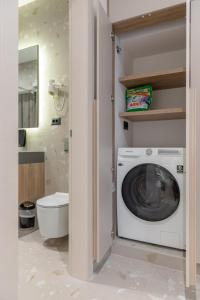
[{"x": 139, "y": 98}]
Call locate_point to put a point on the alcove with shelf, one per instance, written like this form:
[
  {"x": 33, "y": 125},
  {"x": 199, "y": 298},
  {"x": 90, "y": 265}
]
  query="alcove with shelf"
[
  {"x": 154, "y": 115},
  {"x": 144, "y": 49},
  {"x": 151, "y": 49}
]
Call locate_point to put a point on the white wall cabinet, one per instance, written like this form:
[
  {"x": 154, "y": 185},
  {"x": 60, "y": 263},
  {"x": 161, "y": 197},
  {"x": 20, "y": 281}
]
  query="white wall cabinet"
[{"x": 157, "y": 48}]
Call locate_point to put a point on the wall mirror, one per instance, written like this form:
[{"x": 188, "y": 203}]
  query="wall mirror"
[{"x": 28, "y": 88}]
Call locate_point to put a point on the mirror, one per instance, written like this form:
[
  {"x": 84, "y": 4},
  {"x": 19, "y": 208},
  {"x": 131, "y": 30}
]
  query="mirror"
[{"x": 28, "y": 88}]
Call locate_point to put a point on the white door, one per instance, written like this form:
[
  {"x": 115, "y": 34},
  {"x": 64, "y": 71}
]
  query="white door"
[
  {"x": 193, "y": 141},
  {"x": 104, "y": 135}
]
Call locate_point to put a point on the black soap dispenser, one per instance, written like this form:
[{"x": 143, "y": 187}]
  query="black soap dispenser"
[{"x": 22, "y": 137}]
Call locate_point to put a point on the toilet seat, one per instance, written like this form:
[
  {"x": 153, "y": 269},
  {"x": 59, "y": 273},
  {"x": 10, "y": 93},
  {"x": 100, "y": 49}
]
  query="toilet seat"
[{"x": 53, "y": 201}]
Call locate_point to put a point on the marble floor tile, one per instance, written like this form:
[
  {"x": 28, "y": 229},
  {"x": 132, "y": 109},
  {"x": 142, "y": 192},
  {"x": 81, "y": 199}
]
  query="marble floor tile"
[
  {"x": 43, "y": 275},
  {"x": 149, "y": 247},
  {"x": 155, "y": 281}
]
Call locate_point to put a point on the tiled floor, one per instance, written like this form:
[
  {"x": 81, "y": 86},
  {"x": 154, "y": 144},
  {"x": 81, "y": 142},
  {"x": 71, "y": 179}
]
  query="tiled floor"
[
  {"x": 163, "y": 256},
  {"x": 43, "y": 275},
  {"x": 156, "y": 281}
]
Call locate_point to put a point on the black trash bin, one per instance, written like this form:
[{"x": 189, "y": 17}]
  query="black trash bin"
[{"x": 27, "y": 215}]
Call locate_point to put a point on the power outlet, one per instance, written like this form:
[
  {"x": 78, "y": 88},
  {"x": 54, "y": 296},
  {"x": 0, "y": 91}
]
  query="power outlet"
[
  {"x": 125, "y": 125},
  {"x": 56, "y": 121}
]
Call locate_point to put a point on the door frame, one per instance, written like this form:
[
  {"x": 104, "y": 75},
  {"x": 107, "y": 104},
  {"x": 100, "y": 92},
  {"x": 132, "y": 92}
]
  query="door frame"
[
  {"x": 192, "y": 162},
  {"x": 9, "y": 148}
]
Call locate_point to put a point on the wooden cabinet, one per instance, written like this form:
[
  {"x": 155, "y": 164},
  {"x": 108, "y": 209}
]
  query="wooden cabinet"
[{"x": 31, "y": 182}]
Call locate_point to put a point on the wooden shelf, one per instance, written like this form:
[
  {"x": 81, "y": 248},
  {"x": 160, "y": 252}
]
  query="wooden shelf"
[
  {"x": 152, "y": 18},
  {"x": 154, "y": 115},
  {"x": 159, "y": 80}
]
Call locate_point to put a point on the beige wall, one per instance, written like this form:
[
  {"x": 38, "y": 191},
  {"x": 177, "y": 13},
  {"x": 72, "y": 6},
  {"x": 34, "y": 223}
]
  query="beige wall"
[
  {"x": 159, "y": 62},
  {"x": 8, "y": 149},
  {"x": 104, "y": 3},
  {"x": 123, "y": 9},
  {"x": 45, "y": 22}
]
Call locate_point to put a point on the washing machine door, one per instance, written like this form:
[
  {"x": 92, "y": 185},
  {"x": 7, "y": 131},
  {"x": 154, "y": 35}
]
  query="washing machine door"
[{"x": 151, "y": 192}]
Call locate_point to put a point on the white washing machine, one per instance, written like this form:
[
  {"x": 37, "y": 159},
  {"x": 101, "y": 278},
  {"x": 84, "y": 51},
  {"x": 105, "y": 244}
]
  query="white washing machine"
[{"x": 151, "y": 195}]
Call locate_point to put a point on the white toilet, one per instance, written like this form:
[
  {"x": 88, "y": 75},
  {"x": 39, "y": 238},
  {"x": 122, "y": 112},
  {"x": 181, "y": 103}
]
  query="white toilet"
[{"x": 52, "y": 213}]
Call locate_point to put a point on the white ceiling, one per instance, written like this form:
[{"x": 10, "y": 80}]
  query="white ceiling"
[{"x": 24, "y": 2}]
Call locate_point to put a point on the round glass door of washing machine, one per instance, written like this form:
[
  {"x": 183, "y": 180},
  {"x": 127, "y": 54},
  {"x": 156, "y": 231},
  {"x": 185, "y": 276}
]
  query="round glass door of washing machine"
[{"x": 151, "y": 192}]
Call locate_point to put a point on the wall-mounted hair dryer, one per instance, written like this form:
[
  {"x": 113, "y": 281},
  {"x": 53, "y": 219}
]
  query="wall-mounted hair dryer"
[
  {"x": 58, "y": 92},
  {"x": 53, "y": 88}
]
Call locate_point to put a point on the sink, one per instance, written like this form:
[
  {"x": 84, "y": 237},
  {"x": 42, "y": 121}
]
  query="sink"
[{"x": 27, "y": 157}]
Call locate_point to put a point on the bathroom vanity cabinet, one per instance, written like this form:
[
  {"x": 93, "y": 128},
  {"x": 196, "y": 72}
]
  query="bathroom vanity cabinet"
[{"x": 31, "y": 176}]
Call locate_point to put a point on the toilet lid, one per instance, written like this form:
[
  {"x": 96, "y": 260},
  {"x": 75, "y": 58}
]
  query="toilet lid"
[{"x": 55, "y": 200}]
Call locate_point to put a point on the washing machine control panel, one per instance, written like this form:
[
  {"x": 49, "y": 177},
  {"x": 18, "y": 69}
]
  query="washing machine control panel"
[
  {"x": 149, "y": 152},
  {"x": 180, "y": 169}
]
